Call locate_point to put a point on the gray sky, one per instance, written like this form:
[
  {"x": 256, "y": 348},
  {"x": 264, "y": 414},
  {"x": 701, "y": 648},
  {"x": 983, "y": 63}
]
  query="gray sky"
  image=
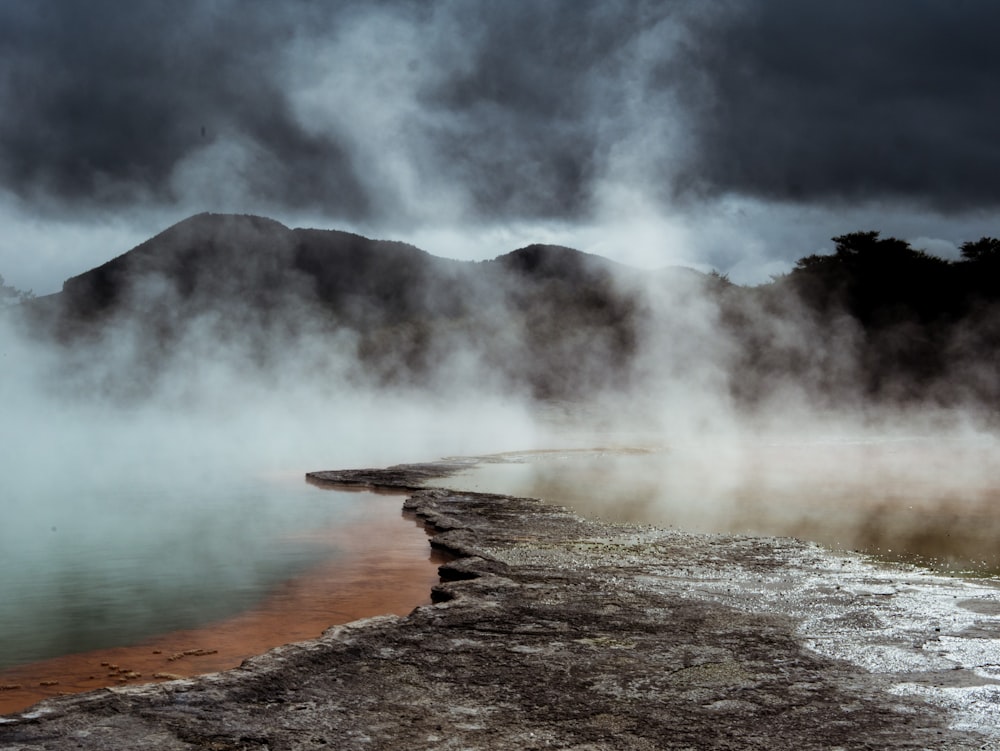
[{"x": 735, "y": 135}]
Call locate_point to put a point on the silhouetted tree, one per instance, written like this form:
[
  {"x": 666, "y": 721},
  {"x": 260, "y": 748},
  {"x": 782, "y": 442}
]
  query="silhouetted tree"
[
  {"x": 878, "y": 281},
  {"x": 979, "y": 273},
  {"x": 985, "y": 249}
]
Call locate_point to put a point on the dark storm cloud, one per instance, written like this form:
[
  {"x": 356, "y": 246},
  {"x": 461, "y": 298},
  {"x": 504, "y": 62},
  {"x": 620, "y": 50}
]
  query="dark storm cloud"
[
  {"x": 849, "y": 101},
  {"x": 108, "y": 101},
  {"x": 495, "y": 111},
  {"x": 534, "y": 115},
  {"x": 103, "y": 99}
]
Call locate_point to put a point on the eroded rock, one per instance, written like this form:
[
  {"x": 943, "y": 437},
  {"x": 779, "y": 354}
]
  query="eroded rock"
[{"x": 549, "y": 631}]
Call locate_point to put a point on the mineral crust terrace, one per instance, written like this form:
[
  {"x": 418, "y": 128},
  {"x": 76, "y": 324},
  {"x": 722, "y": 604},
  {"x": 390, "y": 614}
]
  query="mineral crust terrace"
[{"x": 553, "y": 631}]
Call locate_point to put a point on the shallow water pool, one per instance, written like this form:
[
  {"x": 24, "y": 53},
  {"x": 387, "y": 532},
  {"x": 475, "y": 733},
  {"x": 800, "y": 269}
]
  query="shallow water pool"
[
  {"x": 111, "y": 566},
  {"x": 935, "y": 503}
]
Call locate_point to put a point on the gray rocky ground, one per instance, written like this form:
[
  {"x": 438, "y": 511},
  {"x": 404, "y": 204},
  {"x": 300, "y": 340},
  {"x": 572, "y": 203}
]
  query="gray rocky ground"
[{"x": 550, "y": 631}]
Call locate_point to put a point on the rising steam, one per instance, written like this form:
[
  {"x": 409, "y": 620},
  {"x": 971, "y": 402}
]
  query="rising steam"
[{"x": 202, "y": 378}]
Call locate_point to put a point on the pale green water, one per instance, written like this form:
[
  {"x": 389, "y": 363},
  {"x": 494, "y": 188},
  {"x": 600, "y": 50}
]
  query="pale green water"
[{"x": 97, "y": 567}]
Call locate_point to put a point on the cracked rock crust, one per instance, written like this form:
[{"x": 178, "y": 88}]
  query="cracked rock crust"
[{"x": 548, "y": 631}]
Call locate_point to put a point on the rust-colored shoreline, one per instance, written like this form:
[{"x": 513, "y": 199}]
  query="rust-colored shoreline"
[{"x": 383, "y": 566}]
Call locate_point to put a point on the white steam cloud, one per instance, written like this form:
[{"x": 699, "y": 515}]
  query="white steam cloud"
[{"x": 237, "y": 392}]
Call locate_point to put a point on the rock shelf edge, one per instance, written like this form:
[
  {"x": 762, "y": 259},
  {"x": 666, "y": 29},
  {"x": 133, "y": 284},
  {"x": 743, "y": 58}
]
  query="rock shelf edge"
[{"x": 548, "y": 630}]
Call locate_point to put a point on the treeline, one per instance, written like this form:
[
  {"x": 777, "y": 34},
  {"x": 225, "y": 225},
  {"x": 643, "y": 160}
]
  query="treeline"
[
  {"x": 883, "y": 281},
  {"x": 878, "y": 319}
]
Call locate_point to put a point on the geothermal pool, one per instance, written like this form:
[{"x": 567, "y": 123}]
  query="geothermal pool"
[
  {"x": 164, "y": 579},
  {"x": 935, "y": 503},
  {"x": 197, "y": 576}
]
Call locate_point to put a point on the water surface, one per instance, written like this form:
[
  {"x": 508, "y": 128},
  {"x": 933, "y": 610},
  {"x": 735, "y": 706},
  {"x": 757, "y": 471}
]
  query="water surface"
[
  {"x": 936, "y": 503},
  {"x": 382, "y": 565},
  {"x": 112, "y": 566}
]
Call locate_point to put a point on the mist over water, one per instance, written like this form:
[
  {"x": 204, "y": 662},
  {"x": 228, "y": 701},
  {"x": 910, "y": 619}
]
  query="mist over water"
[
  {"x": 119, "y": 525},
  {"x": 916, "y": 500},
  {"x": 104, "y": 565},
  {"x": 127, "y": 517},
  {"x": 161, "y": 440}
]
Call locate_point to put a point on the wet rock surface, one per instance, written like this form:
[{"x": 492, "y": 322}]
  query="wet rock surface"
[{"x": 550, "y": 631}]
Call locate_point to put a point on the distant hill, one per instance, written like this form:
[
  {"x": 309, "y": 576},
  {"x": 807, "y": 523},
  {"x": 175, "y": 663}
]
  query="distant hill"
[
  {"x": 875, "y": 322},
  {"x": 213, "y": 259},
  {"x": 548, "y": 317}
]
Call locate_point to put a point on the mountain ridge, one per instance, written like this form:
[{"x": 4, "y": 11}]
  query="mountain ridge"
[
  {"x": 335, "y": 259},
  {"x": 876, "y": 320},
  {"x": 548, "y": 315}
]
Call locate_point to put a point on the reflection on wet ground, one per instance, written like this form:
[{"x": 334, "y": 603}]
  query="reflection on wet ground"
[
  {"x": 914, "y": 500},
  {"x": 932, "y": 503},
  {"x": 383, "y": 565}
]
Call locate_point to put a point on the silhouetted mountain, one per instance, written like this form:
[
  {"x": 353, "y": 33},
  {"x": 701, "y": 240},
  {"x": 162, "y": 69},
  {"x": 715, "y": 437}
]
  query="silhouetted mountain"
[
  {"x": 212, "y": 259},
  {"x": 558, "y": 262},
  {"x": 876, "y": 320},
  {"x": 545, "y": 316}
]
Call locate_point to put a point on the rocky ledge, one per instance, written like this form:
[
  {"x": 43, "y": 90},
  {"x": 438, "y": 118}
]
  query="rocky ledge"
[{"x": 552, "y": 631}]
